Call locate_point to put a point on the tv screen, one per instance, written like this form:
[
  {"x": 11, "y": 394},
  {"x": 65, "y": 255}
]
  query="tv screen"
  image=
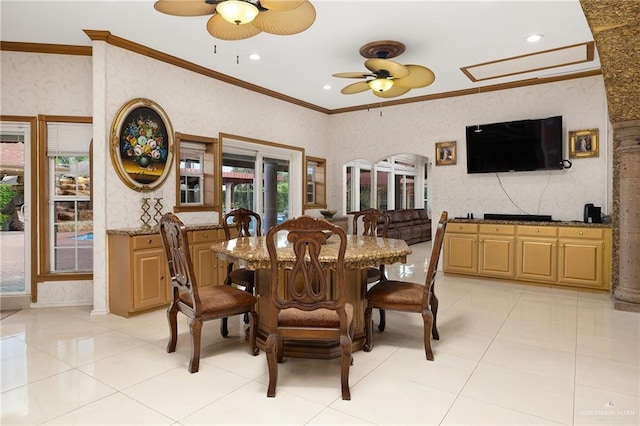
[{"x": 522, "y": 145}]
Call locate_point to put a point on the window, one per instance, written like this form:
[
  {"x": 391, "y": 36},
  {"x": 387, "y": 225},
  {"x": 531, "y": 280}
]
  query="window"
[
  {"x": 389, "y": 184},
  {"x": 65, "y": 238},
  {"x": 196, "y": 175},
  {"x": 191, "y": 173},
  {"x": 316, "y": 192}
]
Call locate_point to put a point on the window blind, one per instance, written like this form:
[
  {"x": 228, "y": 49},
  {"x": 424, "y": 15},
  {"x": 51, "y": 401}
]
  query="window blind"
[{"x": 68, "y": 138}]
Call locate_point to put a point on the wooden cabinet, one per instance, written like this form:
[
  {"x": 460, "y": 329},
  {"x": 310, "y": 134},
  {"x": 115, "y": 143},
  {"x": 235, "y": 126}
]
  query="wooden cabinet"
[
  {"x": 497, "y": 250},
  {"x": 461, "y": 248},
  {"x": 138, "y": 275},
  {"x": 209, "y": 269},
  {"x": 138, "y": 271},
  {"x": 582, "y": 257},
  {"x": 561, "y": 255},
  {"x": 537, "y": 258}
]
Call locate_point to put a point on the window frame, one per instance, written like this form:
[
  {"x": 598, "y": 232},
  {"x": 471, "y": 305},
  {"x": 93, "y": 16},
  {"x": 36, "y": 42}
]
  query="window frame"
[
  {"x": 212, "y": 161},
  {"x": 318, "y": 182},
  {"x": 45, "y": 202}
]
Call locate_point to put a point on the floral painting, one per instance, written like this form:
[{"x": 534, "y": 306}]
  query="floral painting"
[{"x": 141, "y": 144}]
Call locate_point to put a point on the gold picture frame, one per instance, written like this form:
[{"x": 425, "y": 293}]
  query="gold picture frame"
[
  {"x": 141, "y": 144},
  {"x": 446, "y": 153},
  {"x": 583, "y": 143}
]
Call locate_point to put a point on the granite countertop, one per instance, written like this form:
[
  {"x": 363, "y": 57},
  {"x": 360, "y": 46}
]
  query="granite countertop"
[
  {"x": 362, "y": 252},
  {"x": 154, "y": 229},
  {"x": 531, "y": 223}
]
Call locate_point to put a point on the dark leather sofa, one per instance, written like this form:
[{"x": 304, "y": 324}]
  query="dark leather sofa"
[{"x": 411, "y": 225}]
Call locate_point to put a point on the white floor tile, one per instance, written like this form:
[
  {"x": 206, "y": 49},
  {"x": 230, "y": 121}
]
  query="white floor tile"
[
  {"x": 28, "y": 368},
  {"x": 608, "y": 375},
  {"x": 51, "y": 397},
  {"x": 532, "y": 359},
  {"x": 134, "y": 366},
  {"x": 596, "y": 406},
  {"x": 447, "y": 372},
  {"x": 178, "y": 393},
  {"x": 509, "y": 354},
  {"x": 467, "y": 411},
  {"x": 399, "y": 401},
  {"x": 116, "y": 409},
  {"x": 249, "y": 405},
  {"x": 520, "y": 391}
]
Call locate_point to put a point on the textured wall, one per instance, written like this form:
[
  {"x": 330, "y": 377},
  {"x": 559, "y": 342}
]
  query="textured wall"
[{"x": 415, "y": 128}]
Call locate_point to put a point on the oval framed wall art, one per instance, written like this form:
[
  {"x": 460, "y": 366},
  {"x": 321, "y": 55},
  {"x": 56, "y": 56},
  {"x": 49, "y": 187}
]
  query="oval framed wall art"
[{"x": 142, "y": 144}]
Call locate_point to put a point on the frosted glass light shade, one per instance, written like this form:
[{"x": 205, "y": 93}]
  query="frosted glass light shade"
[
  {"x": 237, "y": 11},
  {"x": 381, "y": 84}
]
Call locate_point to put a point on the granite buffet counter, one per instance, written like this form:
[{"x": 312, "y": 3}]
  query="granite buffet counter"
[
  {"x": 561, "y": 253},
  {"x": 138, "y": 273}
]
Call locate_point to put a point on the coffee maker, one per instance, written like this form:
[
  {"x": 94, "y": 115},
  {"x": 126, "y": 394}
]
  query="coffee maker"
[{"x": 592, "y": 214}]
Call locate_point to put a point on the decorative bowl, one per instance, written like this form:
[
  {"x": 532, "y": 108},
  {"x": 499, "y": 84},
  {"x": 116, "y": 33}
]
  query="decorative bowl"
[{"x": 328, "y": 213}]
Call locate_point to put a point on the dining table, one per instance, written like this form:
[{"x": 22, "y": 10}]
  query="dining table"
[{"x": 361, "y": 252}]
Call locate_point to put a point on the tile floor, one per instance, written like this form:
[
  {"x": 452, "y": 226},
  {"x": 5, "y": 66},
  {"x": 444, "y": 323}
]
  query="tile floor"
[{"x": 509, "y": 354}]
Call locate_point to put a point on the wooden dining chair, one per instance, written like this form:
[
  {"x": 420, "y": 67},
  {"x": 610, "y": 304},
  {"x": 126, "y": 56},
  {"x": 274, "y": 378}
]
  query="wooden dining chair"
[
  {"x": 375, "y": 223},
  {"x": 198, "y": 304},
  {"x": 410, "y": 297},
  {"x": 308, "y": 299},
  {"x": 240, "y": 220}
]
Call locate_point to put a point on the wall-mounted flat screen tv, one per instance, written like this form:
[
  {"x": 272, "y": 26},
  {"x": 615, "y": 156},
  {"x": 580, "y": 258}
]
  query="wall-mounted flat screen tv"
[{"x": 513, "y": 146}]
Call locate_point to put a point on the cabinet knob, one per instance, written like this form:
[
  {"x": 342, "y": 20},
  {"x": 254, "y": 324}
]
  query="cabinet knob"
[
  {"x": 149, "y": 241},
  {"x": 496, "y": 229},
  {"x": 580, "y": 232},
  {"x": 161, "y": 277},
  {"x": 537, "y": 231},
  {"x": 206, "y": 235}
]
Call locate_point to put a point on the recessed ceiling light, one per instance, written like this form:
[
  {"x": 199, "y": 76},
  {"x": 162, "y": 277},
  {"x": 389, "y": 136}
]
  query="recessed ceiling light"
[
  {"x": 534, "y": 38},
  {"x": 327, "y": 87},
  {"x": 254, "y": 56}
]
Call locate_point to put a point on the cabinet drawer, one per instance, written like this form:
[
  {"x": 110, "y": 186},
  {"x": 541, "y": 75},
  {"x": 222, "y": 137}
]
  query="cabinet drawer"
[
  {"x": 497, "y": 229},
  {"x": 538, "y": 231},
  {"x": 205, "y": 235},
  {"x": 147, "y": 241},
  {"x": 595, "y": 233},
  {"x": 463, "y": 228}
]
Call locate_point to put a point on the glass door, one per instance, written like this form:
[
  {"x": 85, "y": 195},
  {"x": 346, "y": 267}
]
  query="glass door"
[{"x": 15, "y": 193}]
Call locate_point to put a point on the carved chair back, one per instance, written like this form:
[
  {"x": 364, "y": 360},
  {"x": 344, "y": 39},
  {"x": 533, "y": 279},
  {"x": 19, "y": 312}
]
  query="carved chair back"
[
  {"x": 375, "y": 223},
  {"x": 240, "y": 220}
]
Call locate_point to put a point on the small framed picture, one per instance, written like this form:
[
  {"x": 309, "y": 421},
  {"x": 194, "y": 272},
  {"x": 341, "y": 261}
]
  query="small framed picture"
[
  {"x": 445, "y": 153},
  {"x": 583, "y": 143}
]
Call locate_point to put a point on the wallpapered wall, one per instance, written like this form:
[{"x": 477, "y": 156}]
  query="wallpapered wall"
[
  {"x": 35, "y": 84},
  {"x": 416, "y": 128}
]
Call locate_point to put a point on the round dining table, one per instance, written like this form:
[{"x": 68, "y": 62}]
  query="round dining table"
[{"x": 362, "y": 252}]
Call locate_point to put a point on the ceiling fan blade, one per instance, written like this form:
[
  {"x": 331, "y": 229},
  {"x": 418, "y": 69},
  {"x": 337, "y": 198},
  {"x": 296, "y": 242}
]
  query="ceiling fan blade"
[
  {"x": 419, "y": 77},
  {"x": 286, "y": 22},
  {"x": 358, "y": 87},
  {"x": 394, "y": 69},
  {"x": 391, "y": 93},
  {"x": 219, "y": 28},
  {"x": 281, "y": 4},
  {"x": 184, "y": 7},
  {"x": 352, "y": 75}
]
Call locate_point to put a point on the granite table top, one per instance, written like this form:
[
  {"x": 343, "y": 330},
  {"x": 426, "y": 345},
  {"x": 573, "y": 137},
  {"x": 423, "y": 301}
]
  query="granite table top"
[{"x": 361, "y": 252}]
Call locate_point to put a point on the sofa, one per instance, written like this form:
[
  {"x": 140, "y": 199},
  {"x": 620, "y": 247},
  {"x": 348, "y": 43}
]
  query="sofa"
[{"x": 411, "y": 225}]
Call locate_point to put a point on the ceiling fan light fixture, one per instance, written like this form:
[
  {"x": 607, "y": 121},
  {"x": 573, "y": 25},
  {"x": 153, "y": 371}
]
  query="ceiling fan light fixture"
[
  {"x": 380, "y": 84},
  {"x": 237, "y": 11}
]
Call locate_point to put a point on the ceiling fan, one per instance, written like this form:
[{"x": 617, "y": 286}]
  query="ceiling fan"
[
  {"x": 387, "y": 78},
  {"x": 240, "y": 19}
]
